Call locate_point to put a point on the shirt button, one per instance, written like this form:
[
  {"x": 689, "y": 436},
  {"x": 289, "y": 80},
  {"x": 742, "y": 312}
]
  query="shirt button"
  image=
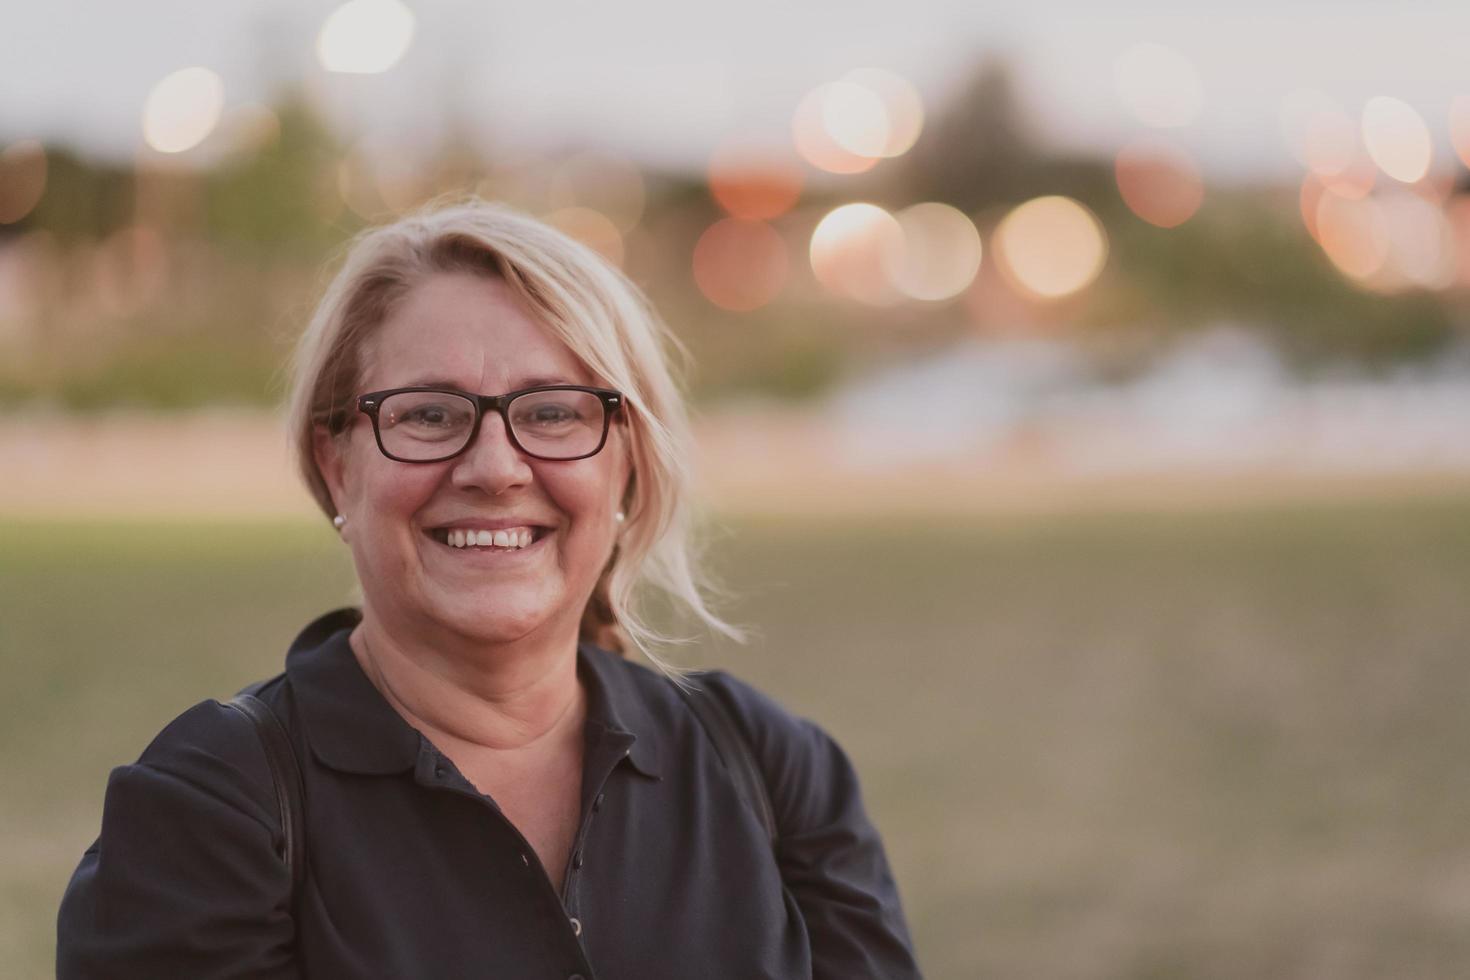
[
  {"x": 438, "y": 772},
  {"x": 576, "y": 927},
  {"x": 597, "y": 803},
  {"x": 577, "y": 860},
  {"x": 525, "y": 860}
]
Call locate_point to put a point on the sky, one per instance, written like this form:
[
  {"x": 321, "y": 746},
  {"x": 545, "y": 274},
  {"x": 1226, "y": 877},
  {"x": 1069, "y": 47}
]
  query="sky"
[{"x": 665, "y": 80}]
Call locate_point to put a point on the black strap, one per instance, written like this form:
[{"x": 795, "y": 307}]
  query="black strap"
[
  {"x": 734, "y": 751},
  {"x": 286, "y": 776}
]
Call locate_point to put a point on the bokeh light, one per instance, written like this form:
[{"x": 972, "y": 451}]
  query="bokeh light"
[
  {"x": 1159, "y": 181},
  {"x": 22, "y": 179},
  {"x": 1421, "y": 246},
  {"x": 754, "y": 182},
  {"x": 855, "y": 117},
  {"x": 611, "y": 185},
  {"x": 182, "y": 109},
  {"x": 1307, "y": 201},
  {"x": 1397, "y": 138},
  {"x": 1320, "y": 135},
  {"x": 815, "y": 142},
  {"x": 1356, "y": 182},
  {"x": 402, "y": 181},
  {"x": 902, "y": 106},
  {"x": 592, "y": 228},
  {"x": 1158, "y": 85},
  {"x": 851, "y": 249},
  {"x": 938, "y": 255},
  {"x": 1352, "y": 234},
  {"x": 1460, "y": 127},
  {"x": 740, "y": 265},
  {"x": 1050, "y": 246},
  {"x": 250, "y": 127},
  {"x": 357, "y": 185},
  {"x": 1457, "y": 213},
  {"x": 364, "y": 37}
]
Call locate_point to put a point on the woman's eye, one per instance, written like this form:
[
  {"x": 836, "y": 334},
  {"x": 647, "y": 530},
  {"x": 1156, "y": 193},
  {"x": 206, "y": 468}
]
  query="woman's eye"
[
  {"x": 549, "y": 415},
  {"x": 432, "y": 416}
]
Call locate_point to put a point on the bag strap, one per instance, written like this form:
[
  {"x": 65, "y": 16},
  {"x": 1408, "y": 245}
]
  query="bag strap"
[
  {"x": 286, "y": 777},
  {"x": 734, "y": 750}
]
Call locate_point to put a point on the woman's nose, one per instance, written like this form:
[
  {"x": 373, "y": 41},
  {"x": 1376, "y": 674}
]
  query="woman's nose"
[{"x": 491, "y": 462}]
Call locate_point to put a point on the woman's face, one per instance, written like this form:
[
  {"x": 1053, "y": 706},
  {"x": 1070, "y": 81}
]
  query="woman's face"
[{"x": 472, "y": 333}]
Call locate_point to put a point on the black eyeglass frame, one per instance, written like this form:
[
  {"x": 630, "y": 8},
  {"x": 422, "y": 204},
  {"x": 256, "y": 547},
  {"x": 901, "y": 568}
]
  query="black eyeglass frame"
[{"x": 370, "y": 403}]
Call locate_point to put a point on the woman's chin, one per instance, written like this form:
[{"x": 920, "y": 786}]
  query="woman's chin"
[{"x": 494, "y": 620}]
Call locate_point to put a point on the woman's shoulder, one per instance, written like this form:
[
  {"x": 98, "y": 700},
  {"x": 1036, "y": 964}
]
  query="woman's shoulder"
[{"x": 215, "y": 749}]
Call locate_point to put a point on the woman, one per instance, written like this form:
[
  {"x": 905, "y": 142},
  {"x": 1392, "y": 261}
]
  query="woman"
[{"x": 483, "y": 408}]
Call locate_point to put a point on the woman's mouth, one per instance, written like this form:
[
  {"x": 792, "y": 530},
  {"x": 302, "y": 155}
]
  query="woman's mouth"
[{"x": 503, "y": 539}]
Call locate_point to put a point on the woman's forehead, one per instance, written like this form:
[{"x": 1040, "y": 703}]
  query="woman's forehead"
[{"x": 467, "y": 331}]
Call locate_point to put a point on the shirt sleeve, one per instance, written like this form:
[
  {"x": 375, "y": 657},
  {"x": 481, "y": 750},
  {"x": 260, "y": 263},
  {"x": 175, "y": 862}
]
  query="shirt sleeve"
[
  {"x": 831, "y": 857},
  {"x": 185, "y": 880}
]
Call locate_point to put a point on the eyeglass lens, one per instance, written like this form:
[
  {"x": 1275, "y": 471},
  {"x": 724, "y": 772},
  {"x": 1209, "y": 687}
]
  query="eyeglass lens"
[{"x": 426, "y": 425}]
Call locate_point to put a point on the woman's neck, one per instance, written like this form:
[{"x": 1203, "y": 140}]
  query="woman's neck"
[{"x": 518, "y": 699}]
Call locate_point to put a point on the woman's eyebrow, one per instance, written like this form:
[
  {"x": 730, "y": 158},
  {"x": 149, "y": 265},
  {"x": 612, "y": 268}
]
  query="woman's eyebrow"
[{"x": 531, "y": 382}]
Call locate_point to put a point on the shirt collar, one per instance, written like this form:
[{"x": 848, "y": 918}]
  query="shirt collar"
[
  {"x": 617, "y": 706},
  {"x": 350, "y": 727}
]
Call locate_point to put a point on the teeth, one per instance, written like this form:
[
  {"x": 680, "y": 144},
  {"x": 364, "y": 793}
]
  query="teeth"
[{"x": 514, "y": 538}]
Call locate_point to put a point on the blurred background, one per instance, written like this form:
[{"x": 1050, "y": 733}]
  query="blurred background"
[{"x": 1083, "y": 397}]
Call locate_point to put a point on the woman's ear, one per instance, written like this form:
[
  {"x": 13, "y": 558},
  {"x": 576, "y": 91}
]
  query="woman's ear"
[{"x": 328, "y": 451}]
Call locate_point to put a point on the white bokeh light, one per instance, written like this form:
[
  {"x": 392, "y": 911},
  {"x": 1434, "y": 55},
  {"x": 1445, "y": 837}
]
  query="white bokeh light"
[
  {"x": 182, "y": 109},
  {"x": 1397, "y": 138},
  {"x": 365, "y": 37}
]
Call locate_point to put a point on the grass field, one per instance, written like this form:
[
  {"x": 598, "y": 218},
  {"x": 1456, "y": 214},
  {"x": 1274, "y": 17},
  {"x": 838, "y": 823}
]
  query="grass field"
[{"x": 1203, "y": 745}]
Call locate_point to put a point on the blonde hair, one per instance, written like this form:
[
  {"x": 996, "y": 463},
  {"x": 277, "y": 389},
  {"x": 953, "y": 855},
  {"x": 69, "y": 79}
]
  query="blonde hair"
[{"x": 585, "y": 303}]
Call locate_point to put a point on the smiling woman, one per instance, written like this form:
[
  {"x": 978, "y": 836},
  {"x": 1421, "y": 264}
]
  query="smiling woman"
[{"x": 467, "y": 776}]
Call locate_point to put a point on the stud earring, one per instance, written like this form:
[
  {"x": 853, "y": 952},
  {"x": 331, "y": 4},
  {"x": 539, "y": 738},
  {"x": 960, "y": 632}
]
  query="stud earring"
[
  {"x": 338, "y": 521},
  {"x": 620, "y": 517}
]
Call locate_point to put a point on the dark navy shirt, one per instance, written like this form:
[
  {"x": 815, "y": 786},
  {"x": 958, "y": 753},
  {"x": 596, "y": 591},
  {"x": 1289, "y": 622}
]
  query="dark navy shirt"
[{"x": 414, "y": 873}]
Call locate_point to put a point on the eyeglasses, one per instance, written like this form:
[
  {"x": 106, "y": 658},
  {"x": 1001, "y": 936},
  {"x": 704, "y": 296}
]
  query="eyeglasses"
[{"x": 430, "y": 425}]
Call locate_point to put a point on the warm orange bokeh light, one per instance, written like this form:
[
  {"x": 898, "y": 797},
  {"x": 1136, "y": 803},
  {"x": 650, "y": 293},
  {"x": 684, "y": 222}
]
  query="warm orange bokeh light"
[
  {"x": 1050, "y": 247},
  {"x": 613, "y": 186},
  {"x": 756, "y": 184},
  {"x": 851, "y": 249},
  {"x": 1351, "y": 233},
  {"x": 593, "y": 229},
  {"x": 1457, "y": 213},
  {"x": 1460, "y": 127},
  {"x": 1354, "y": 183},
  {"x": 1159, "y": 181},
  {"x": 1310, "y": 196},
  {"x": 1421, "y": 243},
  {"x": 740, "y": 265},
  {"x": 22, "y": 179}
]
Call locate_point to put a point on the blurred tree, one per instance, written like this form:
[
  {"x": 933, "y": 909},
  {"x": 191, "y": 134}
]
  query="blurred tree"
[
  {"x": 283, "y": 197},
  {"x": 84, "y": 200},
  {"x": 978, "y": 151}
]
